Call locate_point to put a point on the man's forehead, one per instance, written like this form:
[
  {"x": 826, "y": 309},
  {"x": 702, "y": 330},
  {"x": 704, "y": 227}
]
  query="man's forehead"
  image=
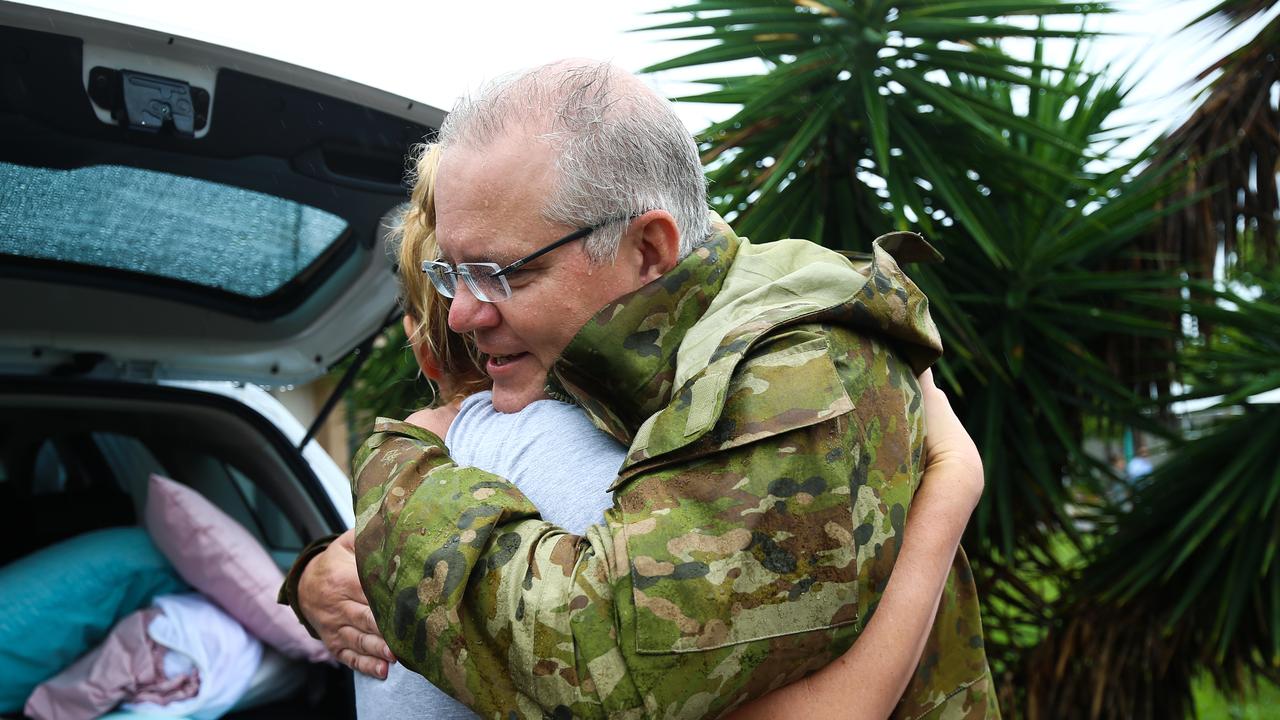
[
  {"x": 488, "y": 203},
  {"x": 519, "y": 151}
]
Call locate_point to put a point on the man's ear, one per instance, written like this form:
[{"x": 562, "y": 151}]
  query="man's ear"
[{"x": 658, "y": 244}]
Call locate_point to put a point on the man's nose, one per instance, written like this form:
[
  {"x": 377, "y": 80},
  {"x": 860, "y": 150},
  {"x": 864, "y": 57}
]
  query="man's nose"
[{"x": 467, "y": 314}]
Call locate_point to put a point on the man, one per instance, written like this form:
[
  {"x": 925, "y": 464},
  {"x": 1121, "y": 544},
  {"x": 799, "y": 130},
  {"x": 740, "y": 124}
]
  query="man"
[{"x": 766, "y": 394}]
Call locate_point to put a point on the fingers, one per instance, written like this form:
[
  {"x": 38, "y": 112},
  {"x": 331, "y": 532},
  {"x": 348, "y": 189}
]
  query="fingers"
[
  {"x": 950, "y": 451},
  {"x": 943, "y": 427},
  {"x": 933, "y": 395},
  {"x": 939, "y": 417},
  {"x": 340, "y": 611},
  {"x": 363, "y": 643},
  {"x": 374, "y": 646},
  {"x": 371, "y": 641},
  {"x": 363, "y": 652},
  {"x": 371, "y": 666},
  {"x": 361, "y": 616}
]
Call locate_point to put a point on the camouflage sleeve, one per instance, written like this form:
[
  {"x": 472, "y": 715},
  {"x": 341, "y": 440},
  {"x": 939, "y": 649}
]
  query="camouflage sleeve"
[
  {"x": 428, "y": 532},
  {"x": 740, "y": 563}
]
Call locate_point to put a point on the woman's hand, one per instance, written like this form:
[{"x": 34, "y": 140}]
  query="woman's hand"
[{"x": 953, "y": 465}]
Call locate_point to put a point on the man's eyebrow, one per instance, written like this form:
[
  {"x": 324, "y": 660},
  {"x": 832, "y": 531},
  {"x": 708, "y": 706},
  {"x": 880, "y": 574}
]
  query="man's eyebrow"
[
  {"x": 479, "y": 259},
  {"x": 501, "y": 259},
  {"x": 453, "y": 259}
]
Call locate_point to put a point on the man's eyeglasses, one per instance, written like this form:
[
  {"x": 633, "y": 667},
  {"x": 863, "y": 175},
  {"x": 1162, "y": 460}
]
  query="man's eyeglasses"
[{"x": 487, "y": 281}]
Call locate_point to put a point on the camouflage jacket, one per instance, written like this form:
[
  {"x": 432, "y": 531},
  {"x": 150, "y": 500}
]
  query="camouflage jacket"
[{"x": 768, "y": 398}]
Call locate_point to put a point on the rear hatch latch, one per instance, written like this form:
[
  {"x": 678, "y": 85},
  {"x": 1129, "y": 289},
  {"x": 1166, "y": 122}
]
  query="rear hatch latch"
[{"x": 150, "y": 103}]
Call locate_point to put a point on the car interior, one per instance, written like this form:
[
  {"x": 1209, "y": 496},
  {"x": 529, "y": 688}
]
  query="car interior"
[
  {"x": 70, "y": 463},
  {"x": 77, "y": 459}
]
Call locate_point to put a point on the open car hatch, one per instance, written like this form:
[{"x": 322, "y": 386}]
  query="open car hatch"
[{"x": 174, "y": 209}]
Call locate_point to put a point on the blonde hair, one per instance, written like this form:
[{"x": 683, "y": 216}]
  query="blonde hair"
[{"x": 457, "y": 356}]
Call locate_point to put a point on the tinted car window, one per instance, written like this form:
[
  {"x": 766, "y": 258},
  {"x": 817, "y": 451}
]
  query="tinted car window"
[
  {"x": 131, "y": 463},
  {"x": 276, "y": 529},
  {"x": 181, "y": 228},
  {"x": 56, "y": 487},
  {"x": 48, "y": 473}
]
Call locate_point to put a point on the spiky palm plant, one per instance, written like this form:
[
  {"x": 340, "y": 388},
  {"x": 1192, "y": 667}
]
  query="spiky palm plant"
[
  {"x": 1189, "y": 583},
  {"x": 876, "y": 116},
  {"x": 857, "y": 126}
]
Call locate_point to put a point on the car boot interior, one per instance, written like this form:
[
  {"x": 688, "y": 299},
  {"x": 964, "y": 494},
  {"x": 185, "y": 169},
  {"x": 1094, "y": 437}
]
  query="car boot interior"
[{"x": 75, "y": 457}]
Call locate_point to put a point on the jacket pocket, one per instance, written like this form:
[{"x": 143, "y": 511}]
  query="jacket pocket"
[{"x": 747, "y": 533}]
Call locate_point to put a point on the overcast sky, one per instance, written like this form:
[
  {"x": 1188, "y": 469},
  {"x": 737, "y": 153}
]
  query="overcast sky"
[{"x": 435, "y": 51}]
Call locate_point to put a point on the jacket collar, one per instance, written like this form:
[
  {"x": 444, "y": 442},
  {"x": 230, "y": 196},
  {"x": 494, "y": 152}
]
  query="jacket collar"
[
  {"x": 622, "y": 365},
  {"x": 653, "y": 368}
]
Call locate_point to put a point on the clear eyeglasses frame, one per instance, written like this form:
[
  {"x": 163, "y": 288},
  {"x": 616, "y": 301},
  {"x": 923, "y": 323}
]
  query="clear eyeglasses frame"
[{"x": 488, "y": 281}]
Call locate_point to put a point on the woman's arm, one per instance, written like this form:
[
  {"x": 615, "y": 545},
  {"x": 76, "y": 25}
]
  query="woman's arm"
[{"x": 869, "y": 679}]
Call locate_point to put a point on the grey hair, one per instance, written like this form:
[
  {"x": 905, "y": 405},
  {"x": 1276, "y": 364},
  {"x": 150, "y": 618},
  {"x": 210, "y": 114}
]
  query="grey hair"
[{"x": 621, "y": 150}]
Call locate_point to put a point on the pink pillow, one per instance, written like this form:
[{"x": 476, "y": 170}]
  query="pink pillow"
[{"x": 223, "y": 561}]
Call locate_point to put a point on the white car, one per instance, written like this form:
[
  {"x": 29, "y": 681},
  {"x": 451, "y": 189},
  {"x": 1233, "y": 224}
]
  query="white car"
[{"x": 179, "y": 224}]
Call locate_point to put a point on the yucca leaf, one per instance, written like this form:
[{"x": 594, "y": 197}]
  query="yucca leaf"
[
  {"x": 940, "y": 177},
  {"x": 716, "y": 5},
  {"x": 998, "y": 8},
  {"x": 740, "y": 17},
  {"x": 725, "y": 53},
  {"x": 957, "y": 30}
]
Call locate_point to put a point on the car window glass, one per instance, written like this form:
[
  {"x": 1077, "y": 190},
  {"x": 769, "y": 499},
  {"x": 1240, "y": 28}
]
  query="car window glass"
[
  {"x": 275, "y": 526},
  {"x": 208, "y": 476},
  {"x": 196, "y": 231},
  {"x": 48, "y": 473},
  {"x": 131, "y": 462}
]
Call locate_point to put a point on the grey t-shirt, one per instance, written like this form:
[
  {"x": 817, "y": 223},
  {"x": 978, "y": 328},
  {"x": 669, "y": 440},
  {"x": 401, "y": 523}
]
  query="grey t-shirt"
[{"x": 560, "y": 461}]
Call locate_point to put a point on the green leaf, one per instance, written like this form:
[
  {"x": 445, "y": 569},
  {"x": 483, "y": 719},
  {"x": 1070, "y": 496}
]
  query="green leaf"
[
  {"x": 997, "y": 8},
  {"x": 725, "y": 53},
  {"x": 940, "y": 179}
]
